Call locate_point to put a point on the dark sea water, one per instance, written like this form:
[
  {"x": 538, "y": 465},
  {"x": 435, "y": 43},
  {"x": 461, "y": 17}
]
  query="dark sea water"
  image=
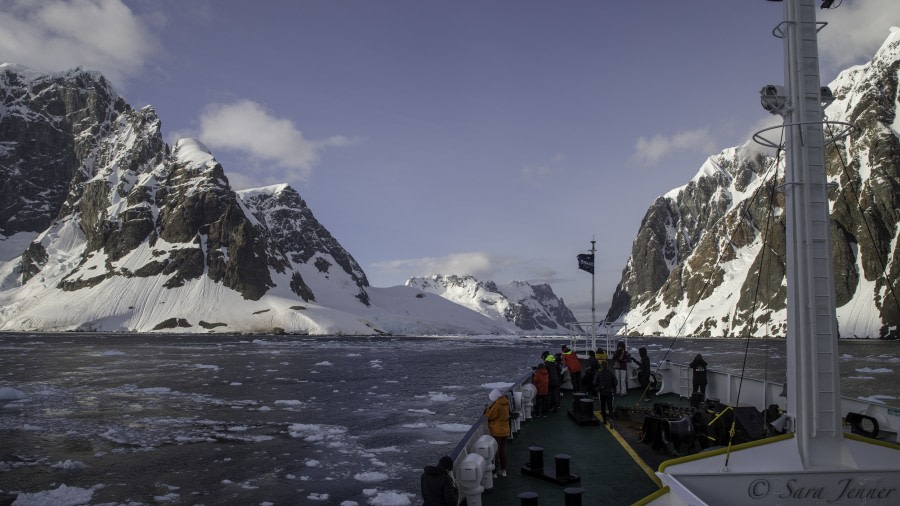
[{"x": 211, "y": 419}]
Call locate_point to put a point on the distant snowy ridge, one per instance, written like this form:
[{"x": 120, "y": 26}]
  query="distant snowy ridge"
[
  {"x": 533, "y": 308},
  {"x": 696, "y": 262},
  {"x": 104, "y": 227}
]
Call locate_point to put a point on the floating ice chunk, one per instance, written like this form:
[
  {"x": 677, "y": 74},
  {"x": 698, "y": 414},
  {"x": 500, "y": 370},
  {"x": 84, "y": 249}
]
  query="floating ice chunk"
[
  {"x": 324, "y": 362},
  {"x": 880, "y": 370},
  {"x": 235, "y": 383},
  {"x": 354, "y": 354},
  {"x": 112, "y": 353},
  {"x": 423, "y": 410},
  {"x": 62, "y": 496},
  {"x": 441, "y": 397},
  {"x": 315, "y": 496},
  {"x": 155, "y": 390},
  {"x": 370, "y": 477},
  {"x": 289, "y": 402},
  {"x": 170, "y": 497},
  {"x": 207, "y": 366},
  {"x": 69, "y": 465},
  {"x": 499, "y": 385},
  {"x": 861, "y": 377},
  {"x": 11, "y": 394},
  {"x": 387, "y": 498},
  {"x": 414, "y": 425},
  {"x": 349, "y": 503},
  {"x": 439, "y": 443},
  {"x": 454, "y": 427},
  {"x": 313, "y": 463}
]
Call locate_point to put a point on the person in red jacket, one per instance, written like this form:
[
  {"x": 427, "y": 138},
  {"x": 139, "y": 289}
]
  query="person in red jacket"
[
  {"x": 570, "y": 360},
  {"x": 497, "y": 414},
  {"x": 541, "y": 381}
]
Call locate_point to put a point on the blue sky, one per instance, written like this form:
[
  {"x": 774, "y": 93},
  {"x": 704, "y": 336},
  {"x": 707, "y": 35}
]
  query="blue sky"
[{"x": 493, "y": 138}]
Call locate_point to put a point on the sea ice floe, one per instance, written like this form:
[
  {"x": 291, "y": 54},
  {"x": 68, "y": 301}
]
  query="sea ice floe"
[
  {"x": 499, "y": 385},
  {"x": 315, "y": 496},
  {"x": 387, "y": 498},
  {"x": 441, "y": 397},
  {"x": 62, "y": 496},
  {"x": 312, "y": 463},
  {"x": 111, "y": 353},
  {"x": 324, "y": 363},
  {"x": 423, "y": 411},
  {"x": 11, "y": 394},
  {"x": 880, "y": 370},
  {"x": 170, "y": 497},
  {"x": 289, "y": 402},
  {"x": 454, "y": 427},
  {"x": 370, "y": 477},
  {"x": 861, "y": 377},
  {"x": 207, "y": 366},
  {"x": 414, "y": 425},
  {"x": 68, "y": 465}
]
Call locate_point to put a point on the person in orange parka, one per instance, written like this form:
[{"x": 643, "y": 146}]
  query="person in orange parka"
[
  {"x": 497, "y": 414},
  {"x": 571, "y": 361},
  {"x": 541, "y": 381}
]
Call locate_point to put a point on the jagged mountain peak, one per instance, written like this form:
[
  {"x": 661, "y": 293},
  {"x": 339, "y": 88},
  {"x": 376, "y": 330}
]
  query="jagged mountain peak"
[
  {"x": 709, "y": 256},
  {"x": 530, "y": 307}
]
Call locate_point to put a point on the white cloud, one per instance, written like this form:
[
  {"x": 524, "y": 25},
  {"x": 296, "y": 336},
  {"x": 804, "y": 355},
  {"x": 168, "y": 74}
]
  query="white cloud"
[
  {"x": 483, "y": 266},
  {"x": 544, "y": 168},
  {"x": 102, "y": 35},
  {"x": 246, "y": 127},
  {"x": 651, "y": 151},
  {"x": 855, "y": 30}
]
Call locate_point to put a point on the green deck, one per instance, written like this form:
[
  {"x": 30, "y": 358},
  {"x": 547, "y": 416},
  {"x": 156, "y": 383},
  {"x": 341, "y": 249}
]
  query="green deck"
[{"x": 609, "y": 475}]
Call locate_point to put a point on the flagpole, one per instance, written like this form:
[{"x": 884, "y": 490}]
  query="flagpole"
[{"x": 593, "y": 308}]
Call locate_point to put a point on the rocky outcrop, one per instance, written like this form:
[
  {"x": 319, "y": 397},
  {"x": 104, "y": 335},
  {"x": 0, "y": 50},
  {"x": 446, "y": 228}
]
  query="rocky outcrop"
[{"x": 709, "y": 257}]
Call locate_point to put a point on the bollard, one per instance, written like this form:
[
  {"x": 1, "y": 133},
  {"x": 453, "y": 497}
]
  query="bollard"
[
  {"x": 576, "y": 397},
  {"x": 573, "y": 496},
  {"x": 536, "y": 458},
  {"x": 586, "y": 406},
  {"x": 562, "y": 465},
  {"x": 528, "y": 499}
]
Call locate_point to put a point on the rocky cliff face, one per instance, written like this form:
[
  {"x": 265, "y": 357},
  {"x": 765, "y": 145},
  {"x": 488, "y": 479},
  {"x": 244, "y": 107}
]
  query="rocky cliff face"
[
  {"x": 94, "y": 198},
  {"x": 709, "y": 258},
  {"x": 528, "y": 307}
]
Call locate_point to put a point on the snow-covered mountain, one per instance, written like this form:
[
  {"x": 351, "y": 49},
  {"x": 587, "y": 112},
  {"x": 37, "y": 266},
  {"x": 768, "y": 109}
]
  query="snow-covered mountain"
[
  {"x": 103, "y": 226},
  {"x": 525, "y": 306},
  {"x": 704, "y": 264}
]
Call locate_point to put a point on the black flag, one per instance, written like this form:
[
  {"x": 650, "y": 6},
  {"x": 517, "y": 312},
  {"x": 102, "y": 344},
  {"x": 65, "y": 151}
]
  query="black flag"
[{"x": 586, "y": 262}]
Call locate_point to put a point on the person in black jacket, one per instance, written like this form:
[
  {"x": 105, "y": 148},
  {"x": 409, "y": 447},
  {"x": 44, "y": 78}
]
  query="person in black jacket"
[
  {"x": 699, "y": 367},
  {"x": 605, "y": 383},
  {"x": 644, "y": 374},
  {"x": 438, "y": 485}
]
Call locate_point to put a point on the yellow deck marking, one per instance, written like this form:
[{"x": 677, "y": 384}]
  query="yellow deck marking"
[{"x": 631, "y": 451}]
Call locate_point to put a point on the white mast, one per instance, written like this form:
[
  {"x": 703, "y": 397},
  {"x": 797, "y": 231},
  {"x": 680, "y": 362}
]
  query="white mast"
[{"x": 811, "y": 318}]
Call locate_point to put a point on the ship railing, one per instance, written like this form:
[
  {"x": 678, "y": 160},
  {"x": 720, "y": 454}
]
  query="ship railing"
[
  {"x": 466, "y": 445},
  {"x": 760, "y": 394}
]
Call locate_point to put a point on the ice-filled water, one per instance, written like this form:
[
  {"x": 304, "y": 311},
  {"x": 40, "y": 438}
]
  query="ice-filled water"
[{"x": 132, "y": 418}]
